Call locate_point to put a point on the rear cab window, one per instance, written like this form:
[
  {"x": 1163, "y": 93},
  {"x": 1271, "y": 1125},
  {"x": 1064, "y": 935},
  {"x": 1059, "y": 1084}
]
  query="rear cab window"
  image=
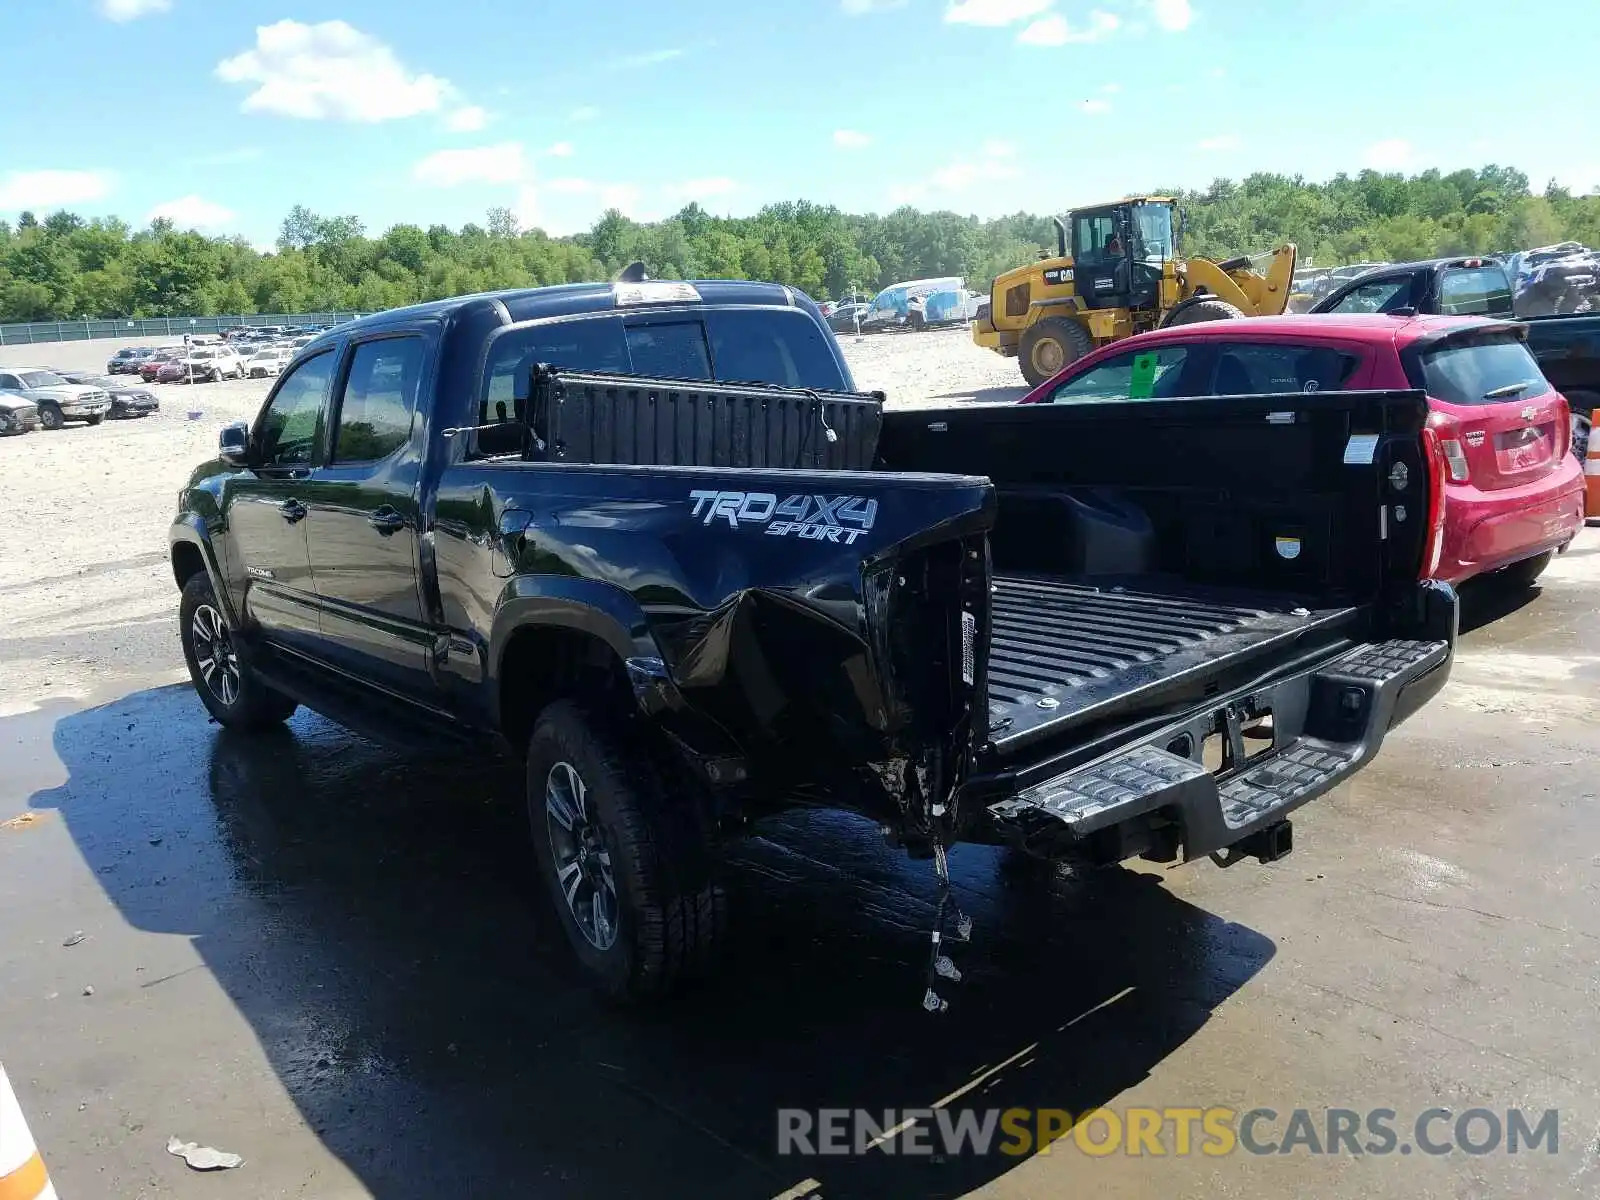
[
  {"x": 780, "y": 346},
  {"x": 1482, "y": 291}
]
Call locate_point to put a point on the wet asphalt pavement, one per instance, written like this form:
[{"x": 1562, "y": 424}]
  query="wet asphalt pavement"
[{"x": 332, "y": 959}]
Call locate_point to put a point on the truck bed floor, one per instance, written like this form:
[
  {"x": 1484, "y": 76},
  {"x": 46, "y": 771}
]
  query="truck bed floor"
[{"x": 1059, "y": 650}]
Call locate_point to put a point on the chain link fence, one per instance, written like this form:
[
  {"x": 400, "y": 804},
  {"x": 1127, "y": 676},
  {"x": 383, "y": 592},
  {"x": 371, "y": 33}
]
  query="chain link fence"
[{"x": 133, "y": 327}]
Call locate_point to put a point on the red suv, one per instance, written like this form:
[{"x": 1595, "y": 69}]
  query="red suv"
[{"x": 1501, "y": 435}]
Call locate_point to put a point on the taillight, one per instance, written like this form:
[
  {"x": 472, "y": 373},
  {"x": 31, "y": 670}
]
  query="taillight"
[
  {"x": 1438, "y": 464},
  {"x": 1448, "y": 434}
]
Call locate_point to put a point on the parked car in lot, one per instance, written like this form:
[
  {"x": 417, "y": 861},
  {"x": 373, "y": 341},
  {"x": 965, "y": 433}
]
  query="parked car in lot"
[
  {"x": 648, "y": 535},
  {"x": 1512, "y": 494},
  {"x": 18, "y": 414},
  {"x": 1566, "y": 346},
  {"x": 128, "y": 360},
  {"x": 844, "y": 317},
  {"x": 208, "y": 364},
  {"x": 268, "y": 361},
  {"x": 160, "y": 357},
  {"x": 128, "y": 400},
  {"x": 57, "y": 400}
]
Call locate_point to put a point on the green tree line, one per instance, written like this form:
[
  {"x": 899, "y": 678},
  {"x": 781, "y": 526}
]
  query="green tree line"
[{"x": 66, "y": 266}]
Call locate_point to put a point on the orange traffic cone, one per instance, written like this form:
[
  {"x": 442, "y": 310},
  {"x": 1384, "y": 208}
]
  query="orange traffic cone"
[
  {"x": 1591, "y": 478},
  {"x": 22, "y": 1173}
]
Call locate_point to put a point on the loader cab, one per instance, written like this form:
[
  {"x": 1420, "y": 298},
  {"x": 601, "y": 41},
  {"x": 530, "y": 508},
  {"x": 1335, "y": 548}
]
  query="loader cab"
[{"x": 1119, "y": 252}]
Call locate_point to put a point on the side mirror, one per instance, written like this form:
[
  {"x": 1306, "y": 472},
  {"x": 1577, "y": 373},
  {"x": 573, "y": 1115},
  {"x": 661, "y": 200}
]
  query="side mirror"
[{"x": 233, "y": 444}]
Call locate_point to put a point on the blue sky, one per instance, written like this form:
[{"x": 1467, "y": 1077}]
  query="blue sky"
[{"x": 223, "y": 115}]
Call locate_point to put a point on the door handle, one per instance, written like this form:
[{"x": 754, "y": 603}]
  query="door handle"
[
  {"x": 386, "y": 521},
  {"x": 292, "y": 511}
]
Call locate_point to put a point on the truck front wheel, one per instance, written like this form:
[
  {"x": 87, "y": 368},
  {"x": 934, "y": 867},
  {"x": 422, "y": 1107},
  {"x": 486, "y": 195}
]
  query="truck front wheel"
[
  {"x": 227, "y": 686},
  {"x": 626, "y": 870}
]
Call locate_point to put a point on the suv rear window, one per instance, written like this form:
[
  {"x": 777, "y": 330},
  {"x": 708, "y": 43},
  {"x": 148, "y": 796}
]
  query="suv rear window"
[
  {"x": 1475, "y": 290},
  {"x": 1482, "y": 372}
]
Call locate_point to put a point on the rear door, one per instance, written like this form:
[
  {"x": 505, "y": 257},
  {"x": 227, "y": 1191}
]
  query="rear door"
[
  {"x": 1473, "y": 287},
  {"x": 1271, "y": 368},
  {"x": 1513, "y": 427}
]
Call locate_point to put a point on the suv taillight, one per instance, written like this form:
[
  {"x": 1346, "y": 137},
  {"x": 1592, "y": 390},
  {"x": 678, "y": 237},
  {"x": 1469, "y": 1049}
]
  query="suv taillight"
[
  {"x": 1448, "y": 433},
  {"x": 1438, "y": 464}
]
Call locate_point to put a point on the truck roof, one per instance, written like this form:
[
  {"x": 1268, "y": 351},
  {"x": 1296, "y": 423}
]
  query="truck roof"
[{"x": 566, "y": 299}]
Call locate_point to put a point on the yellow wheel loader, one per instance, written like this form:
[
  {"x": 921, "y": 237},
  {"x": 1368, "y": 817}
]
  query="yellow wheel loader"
[{"x": 1120, "y": 276}]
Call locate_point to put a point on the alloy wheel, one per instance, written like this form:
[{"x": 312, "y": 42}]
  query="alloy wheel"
[
  {"x": 582, "y": 855},
  {"x": 214, "y": 654}
]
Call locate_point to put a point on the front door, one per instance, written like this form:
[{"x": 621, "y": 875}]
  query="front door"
[
  {"x": 264, "y": 509},
  {"x": 364, "y": 520}
]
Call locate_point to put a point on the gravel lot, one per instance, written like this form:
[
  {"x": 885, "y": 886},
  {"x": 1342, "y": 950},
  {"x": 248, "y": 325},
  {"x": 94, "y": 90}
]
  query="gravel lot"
[{"x": 88, "y": 596}]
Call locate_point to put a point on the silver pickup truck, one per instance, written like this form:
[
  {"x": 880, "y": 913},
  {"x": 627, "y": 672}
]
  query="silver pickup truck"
[{"x": 57, "y": 400}]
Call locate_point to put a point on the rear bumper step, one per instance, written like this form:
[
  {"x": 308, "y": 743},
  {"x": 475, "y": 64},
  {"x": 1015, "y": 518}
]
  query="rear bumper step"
[{"x": 1158, "y": 795}]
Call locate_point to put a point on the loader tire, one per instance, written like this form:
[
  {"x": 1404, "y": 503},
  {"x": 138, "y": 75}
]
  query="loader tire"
[
  {"x": 1049, "y": 345},
  {"x": 1207, "y": 308}
]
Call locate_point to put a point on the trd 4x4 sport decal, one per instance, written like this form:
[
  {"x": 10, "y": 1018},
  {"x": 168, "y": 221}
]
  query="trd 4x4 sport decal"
[{"x": 839, "y": 519}]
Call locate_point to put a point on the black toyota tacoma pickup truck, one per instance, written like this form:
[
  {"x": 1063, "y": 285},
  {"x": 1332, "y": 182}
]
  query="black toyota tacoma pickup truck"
[{"x": 650, "y": 536}]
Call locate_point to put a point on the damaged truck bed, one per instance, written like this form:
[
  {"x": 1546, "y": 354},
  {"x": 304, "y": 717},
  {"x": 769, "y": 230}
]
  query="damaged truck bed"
[{"x": 650, "y": 536}]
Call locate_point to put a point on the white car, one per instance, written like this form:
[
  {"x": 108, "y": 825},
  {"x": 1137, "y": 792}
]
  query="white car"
[
  {"x": 270, "y": 361},
  {"x": 214, "y": 363}
]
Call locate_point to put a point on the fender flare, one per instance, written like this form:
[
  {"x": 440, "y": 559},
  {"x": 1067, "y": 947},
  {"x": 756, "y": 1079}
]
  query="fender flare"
[
  {"x": 588, "y": 606},
  {"x": 189, "y": 528}
]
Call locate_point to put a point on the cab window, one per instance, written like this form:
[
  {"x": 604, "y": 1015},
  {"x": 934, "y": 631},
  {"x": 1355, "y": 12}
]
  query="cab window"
[
  {"x": 290, "y": 428},
  {"x": 1136, "y": 375},
  {"x": 1379, "y": 296},
  {"x": 380, "y": 397},
  {"x": 1481, "y": 290}
]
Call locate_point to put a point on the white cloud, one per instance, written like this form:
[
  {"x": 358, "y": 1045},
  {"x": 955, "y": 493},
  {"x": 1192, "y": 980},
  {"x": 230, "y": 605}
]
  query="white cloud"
[
  {"x": 960, "y": 175},
  {"x": 1054, "y": 30},
  {"x": 993, "y": 12},
  {"x": 1392, "y": 154},
  {"x": 560, "y": 150},
  {"x": 192, "y": 212},
  {"x": 1172, "y": 15},
  {"x": 468, "y": 119},
  {"x": 330, "y": 70},
  {"x": 649, "y": 58},
  {"x": 127, "y": 10},
  {"x": 1095, "y": 108},
  {"x": 587, "y": 112},
  {"x": 51, "y": 189},
  {"x": 851, "y": 139},
  {"x": 856, "y": 8},
  {"x": 1223, "y": 141},
  {"x": 1111, "y": 89},
  {"x": 503, "y": 163}
]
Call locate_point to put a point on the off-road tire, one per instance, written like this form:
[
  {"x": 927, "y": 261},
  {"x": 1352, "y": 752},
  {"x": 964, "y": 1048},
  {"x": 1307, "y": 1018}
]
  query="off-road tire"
[
  {"x": 1205, "y": 308},
  {"x": 254, "y": 705},
  {"x": 671, "y": 913},
  {"x": 1524, "y": 574},
  {"x": 50, "y": 417},
  {"x": 1050, "y": 344}
]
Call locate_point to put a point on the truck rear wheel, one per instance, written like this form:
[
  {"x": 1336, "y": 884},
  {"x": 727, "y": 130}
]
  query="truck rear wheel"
[
  {"x": 628, "y": 873},
  {"x": 1203, "y": 308},
  {"x": 1049, "y": 345}
]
